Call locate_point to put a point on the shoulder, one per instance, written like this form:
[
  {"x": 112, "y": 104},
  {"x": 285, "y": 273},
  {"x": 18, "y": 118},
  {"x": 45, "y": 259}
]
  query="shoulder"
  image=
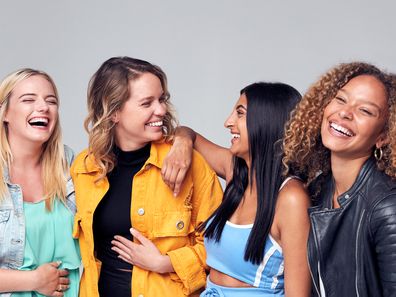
[
  {"x": 293, "y": 194},
  {"x": 69, "y": 154},
  {"x": 200, "y": 168},
  {"x": 79, "y": 162}
]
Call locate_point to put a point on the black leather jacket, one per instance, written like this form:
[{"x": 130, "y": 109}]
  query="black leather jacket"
[{"x": 352, "y": 249}]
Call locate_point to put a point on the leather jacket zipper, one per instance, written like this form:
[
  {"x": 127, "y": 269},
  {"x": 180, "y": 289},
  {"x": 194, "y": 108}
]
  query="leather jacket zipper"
[{"x": 356, "y": 252}]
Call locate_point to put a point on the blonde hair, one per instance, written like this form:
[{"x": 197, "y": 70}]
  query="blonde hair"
[
  {"x": 108, "y": 90},
  {"x": 304, "y": 152},
  {"x": 55, "y": 169}
]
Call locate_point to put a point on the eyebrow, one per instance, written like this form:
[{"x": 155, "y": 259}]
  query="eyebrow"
[
  {"x": 33, "y": 94},
  {"x": 152, "y": 97},
  {"x": 364, "y": 101},
  {"x": 241, "y": 106}
]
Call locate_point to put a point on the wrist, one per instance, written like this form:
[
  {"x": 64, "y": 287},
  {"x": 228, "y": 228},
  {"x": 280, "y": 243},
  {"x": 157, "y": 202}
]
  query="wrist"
[
  {"x": 164, "y": 264},
  {"x": 33, "y": 280}
]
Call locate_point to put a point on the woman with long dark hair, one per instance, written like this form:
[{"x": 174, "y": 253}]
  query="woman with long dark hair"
[{"x": 256, "y": 239}]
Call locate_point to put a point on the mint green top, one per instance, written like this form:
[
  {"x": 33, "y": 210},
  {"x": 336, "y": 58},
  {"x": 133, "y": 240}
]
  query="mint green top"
[{"x": 49, "y": 239}]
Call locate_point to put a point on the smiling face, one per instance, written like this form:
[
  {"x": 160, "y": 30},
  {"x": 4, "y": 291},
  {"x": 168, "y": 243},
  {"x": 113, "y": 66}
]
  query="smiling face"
[
  {"x": 32, "y": 111},
  {"x": 140, "y": 120},
  {"x": 236, "y": 122},
  {"x": 354, "y": 120}
]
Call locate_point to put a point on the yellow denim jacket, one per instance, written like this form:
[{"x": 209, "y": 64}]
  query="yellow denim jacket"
[{"x": 169, "y": 222}]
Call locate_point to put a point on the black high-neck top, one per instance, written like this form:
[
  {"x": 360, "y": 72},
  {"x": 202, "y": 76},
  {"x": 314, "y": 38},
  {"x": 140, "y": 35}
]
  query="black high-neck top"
[{"x": 113, "y": 214}]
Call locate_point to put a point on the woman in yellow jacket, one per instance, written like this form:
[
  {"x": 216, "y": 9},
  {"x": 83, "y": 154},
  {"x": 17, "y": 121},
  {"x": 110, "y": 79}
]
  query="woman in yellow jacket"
[{"x": 127, "y": 218}]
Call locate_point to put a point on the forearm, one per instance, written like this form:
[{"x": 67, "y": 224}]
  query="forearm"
[
  {"x": 16, "y": 280},
  {"x": 185, "y": 134}
]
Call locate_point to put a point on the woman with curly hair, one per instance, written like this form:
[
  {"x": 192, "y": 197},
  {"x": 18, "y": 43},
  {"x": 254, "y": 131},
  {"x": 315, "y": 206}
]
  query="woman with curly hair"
[
  {"x": 127, "y": 218},
  {"x": 256, "y": 240},
  {"x": 342, "y": 139}
]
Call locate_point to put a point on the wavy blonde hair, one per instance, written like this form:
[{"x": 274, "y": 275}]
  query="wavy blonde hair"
[
  {"x": 305, "y": 154},
  {"x": 108, "y": 91},
  {"x": 55, "y": 170}
]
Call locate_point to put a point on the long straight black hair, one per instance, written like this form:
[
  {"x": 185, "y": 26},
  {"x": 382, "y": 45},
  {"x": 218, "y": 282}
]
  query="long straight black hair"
[{"x": 268, "y": 108}]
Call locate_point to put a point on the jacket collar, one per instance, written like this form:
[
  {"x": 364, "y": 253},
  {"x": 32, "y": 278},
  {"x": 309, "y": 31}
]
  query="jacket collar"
[
  {"x": 158, "y": 152},
  {"x": 364, "y": 174}
]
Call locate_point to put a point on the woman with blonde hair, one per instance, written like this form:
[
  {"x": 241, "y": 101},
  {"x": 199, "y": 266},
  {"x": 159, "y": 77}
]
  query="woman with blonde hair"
[
  {"x": 342, "y": 138},
  {"x": 128, "y": 219},
  {"x": 38, "y": 255}
]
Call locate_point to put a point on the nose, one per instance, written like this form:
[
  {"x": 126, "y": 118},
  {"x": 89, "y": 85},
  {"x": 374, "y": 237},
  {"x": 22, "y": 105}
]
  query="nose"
[
  {"x": 229, "y": 122},
  {"x": 160, "y": 109},
  {"x": 346, "y": 113},
  {"x": 42, "y": 105}
]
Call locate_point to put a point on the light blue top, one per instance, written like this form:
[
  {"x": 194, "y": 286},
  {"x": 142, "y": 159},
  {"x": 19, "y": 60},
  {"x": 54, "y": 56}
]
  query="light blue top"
[
  {"x": 49, "y": 239},
  {"x": 227, "y": 256}
]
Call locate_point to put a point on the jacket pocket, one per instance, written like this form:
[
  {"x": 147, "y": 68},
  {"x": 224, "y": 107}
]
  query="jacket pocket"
[{"x": 172, "y": 223}]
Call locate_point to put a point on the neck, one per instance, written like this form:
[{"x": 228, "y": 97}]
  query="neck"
[
  {"x": 26, "y": 155},
  {"x": 129, "y": 146},
  {"x": 345, "y": 172}
]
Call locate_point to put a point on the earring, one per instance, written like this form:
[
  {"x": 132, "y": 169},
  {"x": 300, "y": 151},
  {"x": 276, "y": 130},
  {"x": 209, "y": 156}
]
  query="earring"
[{"x": 378, "y": 153}]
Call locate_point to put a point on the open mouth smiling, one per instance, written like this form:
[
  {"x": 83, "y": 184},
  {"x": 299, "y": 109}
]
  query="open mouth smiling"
[
  {"x": 340, "y": 129},
  {"x": 39, "y": 122}
]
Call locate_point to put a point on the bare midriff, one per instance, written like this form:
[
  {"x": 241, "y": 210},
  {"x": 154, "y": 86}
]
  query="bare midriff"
[{"x": 225, "y": 280}]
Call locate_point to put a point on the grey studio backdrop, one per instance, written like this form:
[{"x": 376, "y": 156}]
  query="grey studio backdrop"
[{"x": 209, "y": 49}]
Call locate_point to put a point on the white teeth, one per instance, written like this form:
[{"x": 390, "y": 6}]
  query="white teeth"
[
  {"x": 42, "y": 120},
  {"x": 155, "y": 124},
  {"x": 341, "y": 129},
  {"x": 235, "y": 135}
]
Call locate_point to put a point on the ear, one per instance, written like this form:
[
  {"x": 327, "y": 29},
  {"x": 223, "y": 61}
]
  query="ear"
[
  {"x": 382, "y": 140},
  {"x": 115, "y": 117}
]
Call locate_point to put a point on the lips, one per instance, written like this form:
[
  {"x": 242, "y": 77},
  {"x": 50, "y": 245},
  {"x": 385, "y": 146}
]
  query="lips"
[
  {"x": 341, "y": 129},
  {"x": 39, "y": 122}
]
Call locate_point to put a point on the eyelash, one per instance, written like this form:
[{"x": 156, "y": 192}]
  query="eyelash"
[{"x": 366, "y": 112}]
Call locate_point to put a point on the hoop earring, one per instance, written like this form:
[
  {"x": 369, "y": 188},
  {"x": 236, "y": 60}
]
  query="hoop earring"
[{"x": 378, "y": 153}]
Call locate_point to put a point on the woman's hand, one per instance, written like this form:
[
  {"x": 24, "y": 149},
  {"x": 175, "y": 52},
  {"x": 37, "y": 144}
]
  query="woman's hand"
[
  {"x": 177, "y": 163},
  {"x": 50, "y": 280},
  {"x": 144, "y": 255}
]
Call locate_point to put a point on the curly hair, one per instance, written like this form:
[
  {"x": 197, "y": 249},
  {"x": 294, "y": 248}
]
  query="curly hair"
[
  {"x": 305, "y": 155},
  {"x": 108, "y": 91}
]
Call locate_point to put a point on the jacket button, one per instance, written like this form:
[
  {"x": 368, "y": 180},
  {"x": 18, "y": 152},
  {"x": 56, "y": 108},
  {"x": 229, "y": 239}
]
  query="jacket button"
[
  {"x": 180, "y": 225},
  {"x": 140, "y": 211},
  {"x": 16, "y": 241},
  {"x": 347, "y": 196}
]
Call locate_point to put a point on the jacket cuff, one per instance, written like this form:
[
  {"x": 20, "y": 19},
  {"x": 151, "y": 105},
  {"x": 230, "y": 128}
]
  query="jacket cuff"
[{"x": 189, "y": 269}]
